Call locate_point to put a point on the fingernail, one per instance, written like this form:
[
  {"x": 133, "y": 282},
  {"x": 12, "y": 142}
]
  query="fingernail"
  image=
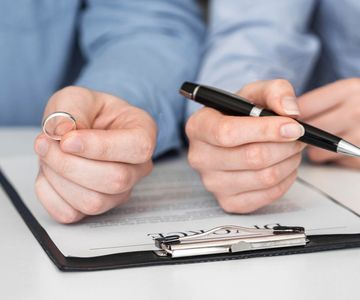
[
  {"x": 73, "y": 144},
  {"x": 290, "y": 106},
  {"x": 42, "y": 146},
  {"x": 292, "y": 130}
]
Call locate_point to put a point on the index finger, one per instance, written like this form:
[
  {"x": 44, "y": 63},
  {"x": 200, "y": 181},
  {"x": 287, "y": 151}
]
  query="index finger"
[
  {"x": 210, "y": 126},
  {"x": 277, "y": 95},
  {"x": 130, "y": 138}
]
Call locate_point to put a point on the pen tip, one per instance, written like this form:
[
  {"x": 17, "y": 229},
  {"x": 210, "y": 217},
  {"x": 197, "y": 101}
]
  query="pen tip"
[{"x": 347, "y": 148}]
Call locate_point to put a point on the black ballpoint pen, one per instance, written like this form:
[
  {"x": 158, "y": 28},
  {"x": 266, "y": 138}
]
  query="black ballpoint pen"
[{"x": 234, "y": 105}]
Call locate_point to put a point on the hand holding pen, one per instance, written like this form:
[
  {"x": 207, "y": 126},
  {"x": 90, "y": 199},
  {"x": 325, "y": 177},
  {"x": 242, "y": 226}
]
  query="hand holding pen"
[{"x": 244, "y": 160}]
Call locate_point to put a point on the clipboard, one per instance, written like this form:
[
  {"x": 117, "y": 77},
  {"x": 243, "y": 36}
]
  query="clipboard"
[{"x": 277, "y": 241}]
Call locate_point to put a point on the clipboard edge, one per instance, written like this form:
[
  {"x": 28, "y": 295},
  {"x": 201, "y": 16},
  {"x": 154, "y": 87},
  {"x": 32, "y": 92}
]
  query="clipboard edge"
[{"x": 317, "y": 243}]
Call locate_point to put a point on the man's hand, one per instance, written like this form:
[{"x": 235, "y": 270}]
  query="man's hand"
[
  {"x": 248, "y": 162},
  {"x": 336, "y": 109},
  {"x": 94, "y": 168}
]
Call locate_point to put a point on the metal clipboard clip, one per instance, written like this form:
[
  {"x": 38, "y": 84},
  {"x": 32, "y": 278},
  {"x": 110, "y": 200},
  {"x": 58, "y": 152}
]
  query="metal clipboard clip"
[{"x": 246, "y": 239}]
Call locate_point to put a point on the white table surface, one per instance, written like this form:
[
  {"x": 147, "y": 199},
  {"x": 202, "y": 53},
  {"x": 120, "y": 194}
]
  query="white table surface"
[{"x": 27, "y": 273}]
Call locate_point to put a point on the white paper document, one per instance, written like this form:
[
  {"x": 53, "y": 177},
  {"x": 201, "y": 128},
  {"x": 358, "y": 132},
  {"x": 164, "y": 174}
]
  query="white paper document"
[{"x": 172, "y": 200}]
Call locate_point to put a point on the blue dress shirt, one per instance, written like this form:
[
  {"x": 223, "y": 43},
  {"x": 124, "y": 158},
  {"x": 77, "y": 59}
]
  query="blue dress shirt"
[
  {"x": 308, "y": 42},
  {"x": 138, "y": 50}
]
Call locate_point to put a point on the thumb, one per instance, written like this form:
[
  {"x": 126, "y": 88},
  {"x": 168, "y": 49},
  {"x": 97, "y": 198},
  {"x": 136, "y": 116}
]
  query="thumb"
[
  {"x": 134, "y": 146},
  {"x": 277, "y": 95},
  {"x": 129, "y": 138}
]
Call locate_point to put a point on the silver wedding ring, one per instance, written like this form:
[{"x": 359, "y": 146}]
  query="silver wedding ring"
[{"x": 57, "y": 124}]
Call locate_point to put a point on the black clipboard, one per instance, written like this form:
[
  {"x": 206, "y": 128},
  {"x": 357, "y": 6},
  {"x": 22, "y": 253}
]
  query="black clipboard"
[{"x": 315, "y": 243}]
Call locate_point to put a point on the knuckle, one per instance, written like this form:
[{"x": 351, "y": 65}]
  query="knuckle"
[
  {"x": 195, "y": 160},
  {"x": 120, "y": 181},
  {"x": 227, "y": 204},
  {"x": 148, "y": 167},
  {"x": 145, "y": 149},
  {"x": 266, "y": 129},
  {"x": 40, "y": 188},
  {"x": 275, "y": 192},
  {"x": 238, "y": 205},
  {"x": 223, "y": 133},
  {"x": 104, "y": 149},
  {"x": 245, "y": 90},
  {"x": 39, "y": 183},
  {"x": 93, "y": 205},
  {"x": 210, "y": 182},
  {"x": 248, "y": 89},
  {"x": 63, "y": 167},
  {"x": 255, "y": 157},
  {"x": 124, "y": 197},
  {"x": 67, "y": 216},
  {"x": 278, "y": 85},
  {"x": 268, "y": 177},
  {"x": 190, "y": 127}
]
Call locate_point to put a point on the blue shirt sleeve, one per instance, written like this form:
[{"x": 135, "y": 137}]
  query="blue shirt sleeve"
[
  {"x": 142, "y": 51},
  {"x": 251, "y": 40}
]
